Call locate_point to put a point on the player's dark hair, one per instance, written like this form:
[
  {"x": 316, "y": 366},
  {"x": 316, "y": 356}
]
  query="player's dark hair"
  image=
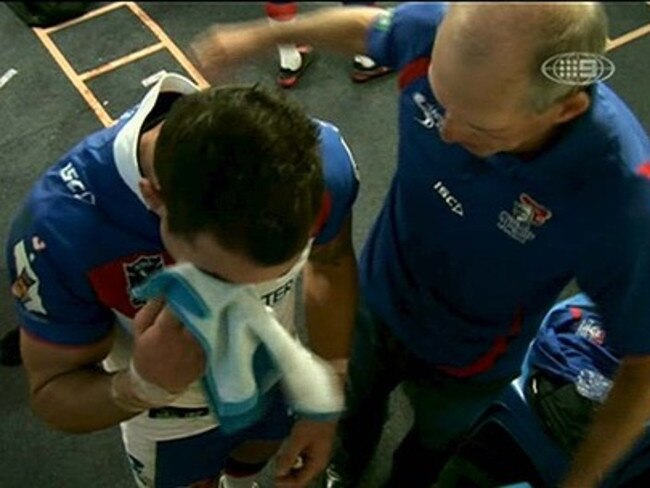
[{"x": 244, "y": 165}]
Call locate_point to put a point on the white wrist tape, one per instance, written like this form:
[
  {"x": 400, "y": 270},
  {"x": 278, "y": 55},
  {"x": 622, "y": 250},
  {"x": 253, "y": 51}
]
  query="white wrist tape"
[{"x": 133, "y": 393}]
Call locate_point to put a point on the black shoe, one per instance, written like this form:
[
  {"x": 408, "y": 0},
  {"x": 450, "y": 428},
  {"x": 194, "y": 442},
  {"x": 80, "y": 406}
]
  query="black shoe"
[{"x": 10, "y": 349}]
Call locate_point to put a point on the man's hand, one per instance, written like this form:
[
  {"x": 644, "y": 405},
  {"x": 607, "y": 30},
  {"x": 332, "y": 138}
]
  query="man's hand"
[
  {"x": 311, "y": 443},
  {"x": 222, "y": 48},
  {"x": 165, "y": 353}
]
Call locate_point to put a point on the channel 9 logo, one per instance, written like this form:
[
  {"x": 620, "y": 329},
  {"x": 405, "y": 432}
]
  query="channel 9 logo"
[{"x": 578, "y": 69}]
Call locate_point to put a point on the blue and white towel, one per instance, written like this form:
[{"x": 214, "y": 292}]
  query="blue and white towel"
[{"x": 247, "y": 350}]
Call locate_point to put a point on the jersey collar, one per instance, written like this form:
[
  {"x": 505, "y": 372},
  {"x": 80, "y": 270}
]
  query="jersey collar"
[{"x": 125, "y": 147}]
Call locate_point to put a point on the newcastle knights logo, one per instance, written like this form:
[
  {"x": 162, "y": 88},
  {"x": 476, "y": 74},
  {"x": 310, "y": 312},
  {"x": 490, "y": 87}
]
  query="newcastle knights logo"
[
  {"x": 525, "y": 213},
  {"x": 138, "y": 271}
]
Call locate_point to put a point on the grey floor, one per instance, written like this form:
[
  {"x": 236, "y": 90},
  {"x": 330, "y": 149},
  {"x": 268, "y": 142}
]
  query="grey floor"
[{"x": 42, "y": 115}]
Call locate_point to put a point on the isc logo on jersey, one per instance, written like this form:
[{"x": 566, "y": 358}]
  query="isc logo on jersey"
[
  {"x": 72, "y": 180},
  {"x": 451, "y": 201}
]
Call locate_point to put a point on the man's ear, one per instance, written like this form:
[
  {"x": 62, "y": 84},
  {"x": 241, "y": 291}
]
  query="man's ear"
[
  {"x": 572, "y": 106},
  {"x": 151, "y": 195}
]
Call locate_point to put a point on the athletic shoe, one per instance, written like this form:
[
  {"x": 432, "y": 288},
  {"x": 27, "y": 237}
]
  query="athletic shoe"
[
  {"x": 361, "y": 73},
  {"x": 288, "y": 78}
]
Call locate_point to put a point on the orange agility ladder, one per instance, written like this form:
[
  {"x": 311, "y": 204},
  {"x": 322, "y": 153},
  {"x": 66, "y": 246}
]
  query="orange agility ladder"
[{"x": 79, "y": 79}]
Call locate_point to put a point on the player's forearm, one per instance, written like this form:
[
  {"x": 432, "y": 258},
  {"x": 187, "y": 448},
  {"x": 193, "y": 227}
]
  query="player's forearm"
[
  {"x": 616, "y": 426},
  {"x": 331, "y": 294},
  {"x": 78, "y": 401}
]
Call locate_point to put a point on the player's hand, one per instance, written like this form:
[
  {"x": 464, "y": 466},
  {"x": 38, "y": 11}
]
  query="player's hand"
[
  {"x": 305, "y": 453},
  {"x": 165, "y": 353},
  {"x": 222, "y": 48}
]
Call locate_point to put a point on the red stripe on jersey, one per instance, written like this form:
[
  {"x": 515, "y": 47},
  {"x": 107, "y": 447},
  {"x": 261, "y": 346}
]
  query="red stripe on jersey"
[
  {"x": 415, "y": 69},
  {"x": 644, "y": 170},
  {"x": 575, "y": 312},
  {"x": 281, "y": 11},
  {"x": 486, "y": 361},
  {"x": 113, "y": 281},
  {"x": 325, "y": 210}
]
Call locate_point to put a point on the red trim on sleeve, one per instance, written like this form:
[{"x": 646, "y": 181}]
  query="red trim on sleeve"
[
  {"x": 325, "y": 210},
  {"x": 281, "y": 11},
  {"x": 576, "y": 313},
  {"x": 644, "y": 170},
  {"x": 415, "y": 69},
  {"x": 485, "y": 362}
]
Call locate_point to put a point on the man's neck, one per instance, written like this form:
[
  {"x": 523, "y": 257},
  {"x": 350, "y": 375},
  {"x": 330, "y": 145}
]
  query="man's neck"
[
  {"x": 531, "y": 149},
  {"x": 146, "y": 147}
]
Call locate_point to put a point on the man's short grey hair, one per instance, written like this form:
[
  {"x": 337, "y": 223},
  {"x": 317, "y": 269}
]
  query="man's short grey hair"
[
  {"x": 572, "y": 27},
  {"x": 537, "y": 30}
]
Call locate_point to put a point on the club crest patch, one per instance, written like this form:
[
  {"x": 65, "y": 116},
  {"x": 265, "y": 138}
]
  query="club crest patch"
[
  {"x": 138, "y": 271},
  {"x": 591, "y": 330},
  {"x": 525, "y": 215}
]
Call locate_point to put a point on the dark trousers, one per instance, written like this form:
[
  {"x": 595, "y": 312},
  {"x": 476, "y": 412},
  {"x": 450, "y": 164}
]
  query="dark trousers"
[{"x": 444, "y": 407}]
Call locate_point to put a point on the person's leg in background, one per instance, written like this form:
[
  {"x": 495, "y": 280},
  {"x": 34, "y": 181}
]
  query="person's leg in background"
[
  {"x": 294, "y": 59},
  {"x": 10, "y": 348},
  {"x": 364, "y": 68},
  {"x": 374, "y": 372},
  {"x": 443, "y": 410}
]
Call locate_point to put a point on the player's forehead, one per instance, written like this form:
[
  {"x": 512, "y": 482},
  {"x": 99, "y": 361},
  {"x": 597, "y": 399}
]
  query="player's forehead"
[{"x": 231, "y": 265}]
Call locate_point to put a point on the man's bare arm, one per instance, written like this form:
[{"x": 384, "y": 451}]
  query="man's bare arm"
[
  {"x": 616, "y": 426},
  {"x": 338, "y": 29}
]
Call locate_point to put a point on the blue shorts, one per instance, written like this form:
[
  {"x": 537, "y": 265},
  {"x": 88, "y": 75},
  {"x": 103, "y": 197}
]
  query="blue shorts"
[{"x": 193, "y": 458}]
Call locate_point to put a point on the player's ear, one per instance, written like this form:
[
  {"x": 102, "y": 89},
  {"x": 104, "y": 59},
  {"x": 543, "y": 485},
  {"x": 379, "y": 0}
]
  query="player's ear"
[{"x": 151, "y": 195}]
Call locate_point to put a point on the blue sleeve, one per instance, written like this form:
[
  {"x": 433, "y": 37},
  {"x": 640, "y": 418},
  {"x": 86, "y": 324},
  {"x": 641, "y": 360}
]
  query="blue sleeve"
[
  {"x": 573, "y": 338},
  {"x": 53, "y": 298},
  {"x": 341, "y": 180},
  {"x": 405, "y": 33},
  {"x": 617, "y": 276}
]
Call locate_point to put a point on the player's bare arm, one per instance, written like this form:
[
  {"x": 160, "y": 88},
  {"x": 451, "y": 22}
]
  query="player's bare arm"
[
  {"x": 60, "y": 375},
  {"x": 331, "y": 295},
  {"x": 166, "y": 358}
]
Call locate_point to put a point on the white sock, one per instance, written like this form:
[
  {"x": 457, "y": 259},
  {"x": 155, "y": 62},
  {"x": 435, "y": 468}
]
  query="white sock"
[
  {"x": 290, "y": 57},
  {"x": 365, "y": 61},
  {"x": 227, "y": 481}
]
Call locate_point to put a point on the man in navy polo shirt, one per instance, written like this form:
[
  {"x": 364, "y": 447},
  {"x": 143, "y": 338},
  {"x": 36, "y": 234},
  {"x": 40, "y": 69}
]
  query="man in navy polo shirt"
[{"x": 509, "y": 184}]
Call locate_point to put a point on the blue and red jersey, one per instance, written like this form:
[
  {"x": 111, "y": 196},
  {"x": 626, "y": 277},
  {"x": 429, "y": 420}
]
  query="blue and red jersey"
[{"x": 84, "y": 236}]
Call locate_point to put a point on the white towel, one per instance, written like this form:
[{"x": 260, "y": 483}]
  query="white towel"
[{"x": 247, "y": 350}]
